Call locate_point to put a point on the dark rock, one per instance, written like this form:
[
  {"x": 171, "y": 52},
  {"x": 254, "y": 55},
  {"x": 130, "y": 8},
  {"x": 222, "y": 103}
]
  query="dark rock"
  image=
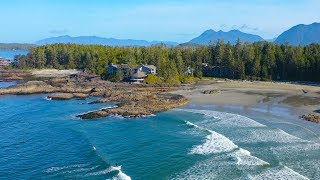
[{"x": 311, "y": 117}]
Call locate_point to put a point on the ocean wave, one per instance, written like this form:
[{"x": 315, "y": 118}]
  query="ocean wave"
[
  {"x": 245, "y": 158},
  {"x": 79, "y": 170},
  {"x": 213, "y": 167},
  {"x": 214, "y": 143},
  {"x": 120, "y": 175},
  {"x": 228, "y": 119},
  {"x": 280, "y": 173},
  {"x": 60, "y": 168},
  {"x": 250, "y": 131},
  {"x": 191, "y": 124},
  {"x": 218, "y": 143}
]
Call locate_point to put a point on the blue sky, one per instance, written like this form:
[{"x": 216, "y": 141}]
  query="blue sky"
[{"x": 32, "y": 20}]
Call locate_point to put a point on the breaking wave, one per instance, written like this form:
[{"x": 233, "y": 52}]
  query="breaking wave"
[
  {"x": 224, "y": 148},
  {"x": 217, "y": 143},
  {"x": 280, "y": 173}
]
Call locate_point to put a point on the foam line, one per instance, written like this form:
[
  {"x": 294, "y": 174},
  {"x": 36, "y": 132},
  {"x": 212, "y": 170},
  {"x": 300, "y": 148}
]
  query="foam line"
[
  {"x": 120, "y": 176},
  {"x": 237, "y": 120},
  {"x": 217, "y": 143},
  {"x": 214, "y": 143},
  {"x": 280, "y": 173},
  {"x": 59, "y": 168}
]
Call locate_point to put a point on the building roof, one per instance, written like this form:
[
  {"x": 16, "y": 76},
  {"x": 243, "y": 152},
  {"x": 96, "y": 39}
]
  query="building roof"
[
  {"x": 113, "y": 65},
  {"x": 139, "y": 75},
  {"x": 146, "y": 66},
  {"x": 150, "y": 66},
  {"x": 119, "y": 66}
]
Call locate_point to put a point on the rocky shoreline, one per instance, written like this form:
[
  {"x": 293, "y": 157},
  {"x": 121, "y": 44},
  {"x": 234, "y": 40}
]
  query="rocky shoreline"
[
  {"x": 11, "y": 75},
  {"x": 315, "y": 117},
  {"x": 134, "y": 100}
]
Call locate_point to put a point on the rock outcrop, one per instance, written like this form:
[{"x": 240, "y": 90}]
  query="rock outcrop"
[
  {"x": 135, "y": 99},
  {"x": 136, "y": 108},
  {"x": 311, "y": 117}
]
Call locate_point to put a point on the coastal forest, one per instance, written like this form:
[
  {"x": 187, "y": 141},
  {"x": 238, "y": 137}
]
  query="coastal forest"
[{"x": 256, "y": 61}]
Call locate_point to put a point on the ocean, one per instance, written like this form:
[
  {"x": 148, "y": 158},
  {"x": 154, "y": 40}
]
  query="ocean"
[
  {"x": 43, "y": 139},
  {"x": 9, "y": 54}
]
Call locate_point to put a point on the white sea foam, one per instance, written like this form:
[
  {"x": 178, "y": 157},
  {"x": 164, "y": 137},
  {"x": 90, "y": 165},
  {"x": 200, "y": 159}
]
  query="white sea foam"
[
  {"x": 47, "y": 98},
  {"x": 245, "y": 158},
  {"x": 79, "y": 170},
  {"x": 117, "y": 116},
  {"x": 214, "y": 143},
  {"x": 120, "y": 176},
  {"x": 59, "y": 168},
  {"x": 280, "y": 173},
  {"x": 226, "y": 118},
  {"x": 191, "y": 124},
  {"x": 217, "y": 143},
  {"x": 110, "y": 107},
  {"x": 102, "y": 172},
  {"x": 255, "y": 135}
]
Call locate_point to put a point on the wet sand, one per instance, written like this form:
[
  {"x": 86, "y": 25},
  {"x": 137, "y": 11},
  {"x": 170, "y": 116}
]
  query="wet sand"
[{"x": 303, "y": 98}]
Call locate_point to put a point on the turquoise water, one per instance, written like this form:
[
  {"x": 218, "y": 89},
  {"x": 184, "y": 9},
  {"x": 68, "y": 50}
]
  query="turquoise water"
[
  {"x": 9, "y": 54},
  {"x": 7, "y": 84},
  {"x": 43, "y": 139}
]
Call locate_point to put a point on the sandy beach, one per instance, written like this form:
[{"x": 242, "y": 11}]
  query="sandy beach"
[{"x": 306, "y": 98}]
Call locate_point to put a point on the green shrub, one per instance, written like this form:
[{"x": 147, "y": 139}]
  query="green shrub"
[
  {"x": 115, "y": 77},
  {"x": 153, "y": 79},
  {"x": 173, "y": 81},
  {"x": 187, "y": 79}
]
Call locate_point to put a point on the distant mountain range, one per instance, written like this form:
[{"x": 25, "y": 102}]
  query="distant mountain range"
[
  {"x": 232, "y": 36},
  {"x": 301, "y": 35},
  {"x": 102, "y": 41},
  {"x": 297, "y": 35}
]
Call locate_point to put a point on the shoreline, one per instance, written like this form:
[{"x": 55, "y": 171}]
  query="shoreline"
[
  {"x": 135, "y": 99},
  {"x": 141, "y": 99},
  {"x": 279, "y": 116},
  {"x": 304, "y": 99}
]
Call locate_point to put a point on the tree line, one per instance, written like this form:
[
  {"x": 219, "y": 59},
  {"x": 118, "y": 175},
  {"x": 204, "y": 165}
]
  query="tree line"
[
  {"x": 257, "y": 61},
  {"x": 16, "y": 46}
]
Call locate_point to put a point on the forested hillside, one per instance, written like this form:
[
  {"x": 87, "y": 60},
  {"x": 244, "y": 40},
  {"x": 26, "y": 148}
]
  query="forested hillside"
[{"x": 258, "y": 61}]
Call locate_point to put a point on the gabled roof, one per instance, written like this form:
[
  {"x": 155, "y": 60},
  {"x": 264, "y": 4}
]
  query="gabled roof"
[{"x": 146, "y": 66}]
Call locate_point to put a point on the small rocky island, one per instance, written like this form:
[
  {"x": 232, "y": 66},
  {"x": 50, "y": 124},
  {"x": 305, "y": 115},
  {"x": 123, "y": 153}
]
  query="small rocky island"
[{"x": 134, "y": 100}]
